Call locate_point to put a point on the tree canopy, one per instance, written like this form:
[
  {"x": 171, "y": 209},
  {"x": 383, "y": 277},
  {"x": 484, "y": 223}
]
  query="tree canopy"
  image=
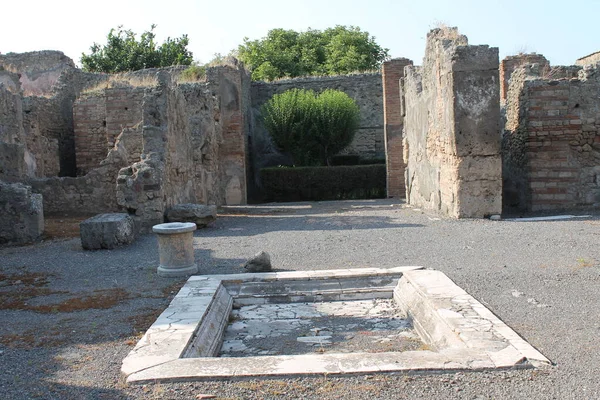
[
  {"x": 124, "y": 52},
  {"x": 334, "y": 51}
]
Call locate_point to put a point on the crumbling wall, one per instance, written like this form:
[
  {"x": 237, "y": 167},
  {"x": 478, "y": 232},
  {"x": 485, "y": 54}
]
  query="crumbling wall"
[
  {"x": 22, "y": 218},
  {"x": 204, "y": 124},
  {"x": 590, "y": 59},
  {"x": 143, "y": 143},
  {"x": 12, "y": 135},
  {"x": 39, "y": 70},
  {"x": 194, "y": 146},
  {"x": 551, "y": 146},
  {"x": 100, "y": 117},
  {"x": 393, "y": 115},
  {"x": 47, "y": 84},
  {"x": 452, "y": 128},
  {"x": 511, "y": 63}
]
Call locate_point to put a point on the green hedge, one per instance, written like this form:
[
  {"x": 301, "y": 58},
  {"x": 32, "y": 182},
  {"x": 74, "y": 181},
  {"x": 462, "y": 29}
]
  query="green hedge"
[
  {"x": 354, "y": 159},
  {"x": 323, "y": 183}
]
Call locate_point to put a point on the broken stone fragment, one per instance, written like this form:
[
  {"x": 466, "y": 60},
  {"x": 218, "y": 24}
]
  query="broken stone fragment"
[
  {"x": 199, "y": 214},
  {"x": 261, "y": 262}
]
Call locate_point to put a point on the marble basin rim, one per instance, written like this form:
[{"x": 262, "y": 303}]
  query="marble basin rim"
[{"x": 461, "y": 333}]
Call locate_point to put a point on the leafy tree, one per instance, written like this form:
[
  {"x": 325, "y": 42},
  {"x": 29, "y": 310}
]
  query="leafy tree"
[
  {"x": 289, "y": 53},
  {"x": 287, "y": 117},
  {"x": 336, "y": 119},
  {"x": 123, "y": 52},
  {"x": 311, "y": 127}
]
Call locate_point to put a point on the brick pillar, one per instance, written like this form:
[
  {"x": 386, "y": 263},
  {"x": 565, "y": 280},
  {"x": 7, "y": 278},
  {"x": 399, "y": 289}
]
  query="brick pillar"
[{"x": 392, "y": 72}]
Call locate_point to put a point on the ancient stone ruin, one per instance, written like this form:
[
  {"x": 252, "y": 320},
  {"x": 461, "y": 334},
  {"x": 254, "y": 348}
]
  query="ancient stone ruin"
[
  {"x": 462, "y": 135},
  {"x": 451, "y": 128}
]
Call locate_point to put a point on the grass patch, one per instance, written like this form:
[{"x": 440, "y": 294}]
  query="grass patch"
[{"x": 121, "y": 81}]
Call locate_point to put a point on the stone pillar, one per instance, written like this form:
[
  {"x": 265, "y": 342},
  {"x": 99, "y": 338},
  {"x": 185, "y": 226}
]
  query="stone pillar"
[
  {"x": 176, "y": 249},
  {"x": 392, "y": 72}
]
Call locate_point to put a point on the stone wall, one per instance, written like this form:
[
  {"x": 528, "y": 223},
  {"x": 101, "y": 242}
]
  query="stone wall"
[
  {"x": 510, "y": 63},
  {"x": 12, "y": 135},
  {"x": 99, "y": 118},
  {"x": 233, "y": 86},
  {"x": 22, "y": 218},
  {"x": 46, "y": 84},
  {"x": 551, "y": 146},
  {"x": 39, "y": 70},
  {"x": 452, "y": 128},
  {"x": 590, "y": 59},
  {"x": 194, "y": 146},
  {"x": 365, "y": 89},
  {"x": 393, "y": 115}
]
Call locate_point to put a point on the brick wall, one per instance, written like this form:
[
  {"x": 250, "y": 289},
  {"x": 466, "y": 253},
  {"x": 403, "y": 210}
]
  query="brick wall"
[
  {"x": 509, "y": 64},
  {"x": 123, "y": 110},
  {"x": 560, "y": 129},
  {"x": 99, "y": 118},
  {"x": 89, "y": 119},
  {"x": 392, "y": 72}
]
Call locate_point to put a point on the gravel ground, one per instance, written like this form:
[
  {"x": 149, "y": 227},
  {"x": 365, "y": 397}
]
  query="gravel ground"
[{"x": 69, "y": 317}]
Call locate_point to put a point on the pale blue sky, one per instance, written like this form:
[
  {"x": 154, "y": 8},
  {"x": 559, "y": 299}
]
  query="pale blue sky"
[{"x": 560, "y": 30}]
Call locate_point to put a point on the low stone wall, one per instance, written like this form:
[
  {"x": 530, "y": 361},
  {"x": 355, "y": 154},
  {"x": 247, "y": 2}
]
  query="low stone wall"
[
  {"x": 21, "y": 214},
  {"x": 89, "y": 194}
]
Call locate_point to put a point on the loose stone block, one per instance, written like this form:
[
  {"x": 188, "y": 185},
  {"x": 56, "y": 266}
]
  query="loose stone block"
[
  {"x": 21, "y": 214},
  {"x": 199, "y": 214},
  {"x": 107, "y": 231},
  {"x": 176, "y": 249},
  {"x": 261, "y": 262}
]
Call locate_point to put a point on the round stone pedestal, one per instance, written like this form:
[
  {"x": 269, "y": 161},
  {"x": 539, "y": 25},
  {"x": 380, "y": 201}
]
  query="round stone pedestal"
[{"x": 176, "y": 249}]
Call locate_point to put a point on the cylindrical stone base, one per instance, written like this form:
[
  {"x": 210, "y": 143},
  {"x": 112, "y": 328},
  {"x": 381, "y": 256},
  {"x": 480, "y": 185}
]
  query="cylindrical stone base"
[{"x": 176, "y": 249}]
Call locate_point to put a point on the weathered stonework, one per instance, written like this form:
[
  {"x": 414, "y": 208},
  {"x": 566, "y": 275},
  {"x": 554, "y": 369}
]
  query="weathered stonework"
[
  {"x": 22, "y": 218},
  {"x": 451, "y": 128},
  {"x": 393, "y": 114},
  {"x": 551, "y": 144},
  {"x": 509, "y": 64},
  {"x": 39, "y": 70},
  {"x": 103, "y": 117},
  {"x": 194, "y": 146},
  {"x": 43, "y": 86},
  {"x": 590, "y": 59},
  {"x": 107, "y": 231}
]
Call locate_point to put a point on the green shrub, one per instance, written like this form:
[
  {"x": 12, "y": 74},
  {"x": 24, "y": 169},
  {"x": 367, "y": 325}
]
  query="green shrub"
[
  {"x": 287, "y": 117},
  {"x": 336, "y": 120},
  {"x": 311, "y": 127},
  {"x": 323, "y": 183}
]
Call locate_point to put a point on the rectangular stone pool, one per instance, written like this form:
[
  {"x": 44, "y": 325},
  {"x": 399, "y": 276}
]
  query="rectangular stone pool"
[{"x": 324, "y": 322}]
